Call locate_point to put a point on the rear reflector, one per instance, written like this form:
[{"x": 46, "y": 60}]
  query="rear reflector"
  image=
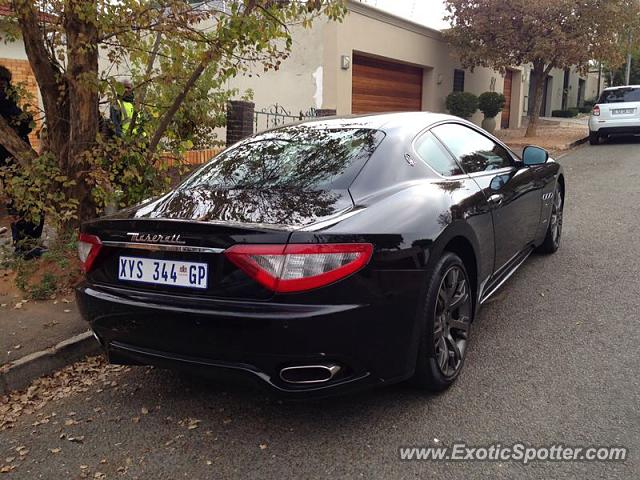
[
  {"x": 299, "y": 267},
  {"x": 88, "y": 249}
]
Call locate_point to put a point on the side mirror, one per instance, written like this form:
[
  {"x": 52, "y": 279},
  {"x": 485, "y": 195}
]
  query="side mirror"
[{"x": 533, "y": 155}]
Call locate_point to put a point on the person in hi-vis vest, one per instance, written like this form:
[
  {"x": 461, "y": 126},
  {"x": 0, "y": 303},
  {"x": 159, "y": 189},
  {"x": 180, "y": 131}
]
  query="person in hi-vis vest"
[{"x": 122, "y": 112}]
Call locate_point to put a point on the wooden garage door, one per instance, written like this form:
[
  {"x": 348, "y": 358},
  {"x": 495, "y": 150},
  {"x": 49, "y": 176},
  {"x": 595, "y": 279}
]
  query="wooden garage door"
[
  {"x": 506, "y": 111},
  {"x": 383, "y": 86}
]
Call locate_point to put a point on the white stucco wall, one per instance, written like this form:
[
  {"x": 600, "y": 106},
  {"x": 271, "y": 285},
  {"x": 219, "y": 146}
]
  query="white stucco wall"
[
  {"x": 299, "y": 83},
  {"x": 14, "y": 49}
]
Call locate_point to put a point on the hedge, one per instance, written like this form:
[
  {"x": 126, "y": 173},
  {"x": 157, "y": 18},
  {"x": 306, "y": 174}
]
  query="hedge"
[{"x": 569, "y": 113}]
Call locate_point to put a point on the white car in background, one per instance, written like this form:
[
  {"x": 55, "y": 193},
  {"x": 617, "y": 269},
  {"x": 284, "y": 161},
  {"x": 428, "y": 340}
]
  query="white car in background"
[{"x": 617, "y": 112}]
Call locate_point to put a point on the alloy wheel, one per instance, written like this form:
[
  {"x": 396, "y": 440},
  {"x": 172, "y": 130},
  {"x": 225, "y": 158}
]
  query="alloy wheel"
[
  {"x": 452, "y": 321},
  {"x": 556, "y": 217}
]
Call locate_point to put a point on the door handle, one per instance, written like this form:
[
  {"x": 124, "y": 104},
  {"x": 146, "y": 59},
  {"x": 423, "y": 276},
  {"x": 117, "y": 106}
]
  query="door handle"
[{"x": 495, "y": 200}]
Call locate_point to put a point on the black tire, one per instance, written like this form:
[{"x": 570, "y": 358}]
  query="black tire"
[
  {"x": 445, "y": 335},
  {"x": 594, "y": 138},
  {"x": 554, "y": 230}
]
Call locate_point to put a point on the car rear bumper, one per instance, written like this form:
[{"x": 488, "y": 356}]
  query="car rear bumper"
[
  {"x": 613, "y": 127},
  {"x": 372, "y": 344}
]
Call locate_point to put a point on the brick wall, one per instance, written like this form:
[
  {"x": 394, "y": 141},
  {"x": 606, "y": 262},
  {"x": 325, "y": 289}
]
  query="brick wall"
[
  {"x": 22, "y": 74},
  {"x": 240, "y": 120},
  {"x": 194, "y": 157}
]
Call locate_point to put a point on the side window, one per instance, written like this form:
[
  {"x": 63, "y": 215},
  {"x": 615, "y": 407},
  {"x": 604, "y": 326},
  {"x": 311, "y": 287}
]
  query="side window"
[
  {"x": 434, "y": 155},
  {"x": 474, "y": 151}
]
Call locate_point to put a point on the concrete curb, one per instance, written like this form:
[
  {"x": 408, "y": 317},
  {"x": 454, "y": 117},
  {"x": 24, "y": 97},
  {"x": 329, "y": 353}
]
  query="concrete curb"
[
  {"x": 18, "y": 374},
  {"x": 578, "y": 142}
]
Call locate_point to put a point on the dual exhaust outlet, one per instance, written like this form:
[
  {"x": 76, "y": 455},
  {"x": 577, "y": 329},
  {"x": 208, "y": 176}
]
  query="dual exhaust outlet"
[{"x": 310, "y": 374}]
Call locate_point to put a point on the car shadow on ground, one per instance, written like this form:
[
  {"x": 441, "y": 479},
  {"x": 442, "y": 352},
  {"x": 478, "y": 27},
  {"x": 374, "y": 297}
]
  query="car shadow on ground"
[
  {"x": 622, "y": 140},
  {"x": 185, "y": 388}
]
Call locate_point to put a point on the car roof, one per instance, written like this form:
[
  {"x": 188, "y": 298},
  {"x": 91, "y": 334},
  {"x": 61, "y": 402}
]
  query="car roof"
[
  {"x": 381, "y": 121},
  {"x": 621, "y": 87}
]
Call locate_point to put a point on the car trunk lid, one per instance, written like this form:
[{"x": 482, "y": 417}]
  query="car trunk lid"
[{"x": 194, "y": 227}]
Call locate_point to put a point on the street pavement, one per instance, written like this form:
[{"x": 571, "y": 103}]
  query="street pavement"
[{"x": 554, "y": 359}]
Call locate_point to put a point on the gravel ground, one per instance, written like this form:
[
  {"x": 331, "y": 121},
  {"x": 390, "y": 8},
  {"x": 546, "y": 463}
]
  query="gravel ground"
[{"x": 554, "y": 359}]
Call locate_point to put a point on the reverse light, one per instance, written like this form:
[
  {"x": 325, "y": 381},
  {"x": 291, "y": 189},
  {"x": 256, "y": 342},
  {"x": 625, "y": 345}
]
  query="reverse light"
[
  {"x": 88, "y": 248},
  {"x": 299, "y": 267},
  {"x": 596, "y": 111}
]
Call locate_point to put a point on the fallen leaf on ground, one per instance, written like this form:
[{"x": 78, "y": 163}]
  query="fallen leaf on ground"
[
  {"x": 76, "y": 378},
  {"x": 55, "y": 450},
  {"x": 263, "y": 446},
  {"x": 145, "y": 410},
  {"x": 22, "y": 450},
  {"x": 191, "y": 423}
]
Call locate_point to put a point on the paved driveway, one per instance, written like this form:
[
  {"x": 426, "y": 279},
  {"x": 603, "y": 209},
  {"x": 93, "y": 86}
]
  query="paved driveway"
[{"x": 554, "y": 359}]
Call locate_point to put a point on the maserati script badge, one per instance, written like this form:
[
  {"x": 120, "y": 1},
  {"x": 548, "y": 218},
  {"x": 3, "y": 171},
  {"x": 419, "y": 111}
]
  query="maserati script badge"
[{"x": 155, "y": 238}]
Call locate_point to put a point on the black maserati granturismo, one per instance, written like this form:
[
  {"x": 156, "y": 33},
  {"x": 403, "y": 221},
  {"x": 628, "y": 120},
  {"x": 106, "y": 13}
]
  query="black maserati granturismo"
[{"x": 325, "y": 256}]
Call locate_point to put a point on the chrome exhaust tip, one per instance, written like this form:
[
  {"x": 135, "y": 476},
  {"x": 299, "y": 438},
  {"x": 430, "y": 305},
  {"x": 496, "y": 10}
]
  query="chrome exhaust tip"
[{"x": 309, "y": 374}]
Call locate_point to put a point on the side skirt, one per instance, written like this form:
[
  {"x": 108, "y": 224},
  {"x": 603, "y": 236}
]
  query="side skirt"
[{"x": 495, "y": 285}]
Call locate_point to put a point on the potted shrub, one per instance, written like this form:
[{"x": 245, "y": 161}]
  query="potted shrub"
[
  {"x": 491, "y": 104},
  {"x": 462, "y": 104}
]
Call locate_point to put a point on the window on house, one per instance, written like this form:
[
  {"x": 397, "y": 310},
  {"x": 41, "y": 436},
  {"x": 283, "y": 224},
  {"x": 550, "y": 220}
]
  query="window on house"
[{"x": 458, "y": 80}]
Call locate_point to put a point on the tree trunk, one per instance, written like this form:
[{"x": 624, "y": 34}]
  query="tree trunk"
[
  {"x": 20, "y": 150},
  {"x": 538, "y": 77},
  {"x": 82, "y": 38},
  {"x": 49, "y": 77}
]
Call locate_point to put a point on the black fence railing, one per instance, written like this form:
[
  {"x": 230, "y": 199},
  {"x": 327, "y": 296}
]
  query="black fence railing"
[{"x": 276, "y": 116}]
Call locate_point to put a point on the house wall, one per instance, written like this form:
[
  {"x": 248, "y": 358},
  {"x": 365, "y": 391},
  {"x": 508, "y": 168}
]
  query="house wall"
[
  {"x": 312, "y": 76},
  {"x": 12, "y": 50},
  {"x": 299, "y": 83},
  {"x": 592, "y": 90},
  {"x": 14, "y": 57},
  {"x": 379, "y": 34},
  {"x": 556, "y": 87}
]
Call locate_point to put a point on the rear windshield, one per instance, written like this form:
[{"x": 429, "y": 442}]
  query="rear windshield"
[
  {"x": 620, "y": 95},
  {"x": 291, "y": 157}
]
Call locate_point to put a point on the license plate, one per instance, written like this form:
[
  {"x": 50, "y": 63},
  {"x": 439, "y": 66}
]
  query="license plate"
[
  {"x": 163, "y": 272},
  {"x": 623, "y": 111}
]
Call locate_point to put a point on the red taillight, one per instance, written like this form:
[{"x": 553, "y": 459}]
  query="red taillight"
[
  {"x": 596, "y": 111},
  {"x": 88, "y": 248},
  {"x": 299, "y": 267}
]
